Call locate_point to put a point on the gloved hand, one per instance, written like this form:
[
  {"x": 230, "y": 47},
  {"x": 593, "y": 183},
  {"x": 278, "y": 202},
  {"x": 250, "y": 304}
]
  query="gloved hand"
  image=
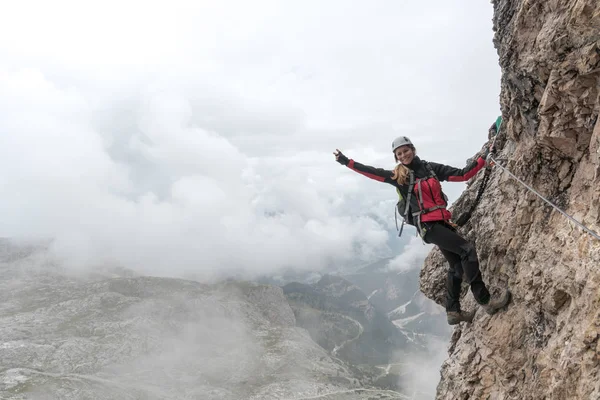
[
  {"x": 491, "y": 150},
  {"x": 340, "y": 157}
]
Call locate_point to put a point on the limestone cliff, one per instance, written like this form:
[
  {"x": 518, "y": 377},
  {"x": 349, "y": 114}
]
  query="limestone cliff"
[{"x": 546, "y": 345}]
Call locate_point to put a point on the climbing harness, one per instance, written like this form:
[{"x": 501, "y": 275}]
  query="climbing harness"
[{"x": 582, "y": 226}]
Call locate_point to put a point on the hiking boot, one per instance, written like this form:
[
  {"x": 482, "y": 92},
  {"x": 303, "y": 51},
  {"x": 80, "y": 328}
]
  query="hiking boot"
[
  {"x": 494, "y": 305},
  {"x": 454, "y": 317}
]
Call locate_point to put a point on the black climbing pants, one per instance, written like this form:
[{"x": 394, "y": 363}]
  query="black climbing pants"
[{"x": 462, "y": 257}]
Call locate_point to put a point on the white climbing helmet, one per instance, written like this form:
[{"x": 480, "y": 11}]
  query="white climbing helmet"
[{"x": 399, "y": 142}]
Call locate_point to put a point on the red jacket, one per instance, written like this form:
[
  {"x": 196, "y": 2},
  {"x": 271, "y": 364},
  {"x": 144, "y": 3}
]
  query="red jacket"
[{"x": 431, "y": 189}]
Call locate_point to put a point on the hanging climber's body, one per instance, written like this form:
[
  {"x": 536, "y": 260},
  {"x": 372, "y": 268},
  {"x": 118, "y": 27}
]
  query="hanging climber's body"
[{"x": 426, "y": 210}]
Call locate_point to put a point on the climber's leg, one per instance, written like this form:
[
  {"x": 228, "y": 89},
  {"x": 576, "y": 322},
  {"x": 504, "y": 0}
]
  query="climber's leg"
[
  {"x": 449, "y": 240},
  {"x": 453, "y": 281}
]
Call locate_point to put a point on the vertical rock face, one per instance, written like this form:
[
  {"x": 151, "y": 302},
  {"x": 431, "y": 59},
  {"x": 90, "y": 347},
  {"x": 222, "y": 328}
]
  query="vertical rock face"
[{"x": 546, "y": 344}]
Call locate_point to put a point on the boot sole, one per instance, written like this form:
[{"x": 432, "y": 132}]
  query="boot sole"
[{"x": 458, "y": 321}]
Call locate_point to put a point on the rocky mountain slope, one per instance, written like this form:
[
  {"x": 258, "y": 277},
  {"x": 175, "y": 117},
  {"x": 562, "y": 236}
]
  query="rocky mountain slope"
[
  {"x": 397, "y": 294},
  {"x": 341, "y": 319},
  {"x": 405, "y": 352},
  {"x": 69, "y": 335},
  {"x": 546, "y": 345}
]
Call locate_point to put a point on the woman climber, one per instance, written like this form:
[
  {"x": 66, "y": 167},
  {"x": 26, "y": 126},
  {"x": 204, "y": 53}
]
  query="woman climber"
[{"x": 423, "y": 204}]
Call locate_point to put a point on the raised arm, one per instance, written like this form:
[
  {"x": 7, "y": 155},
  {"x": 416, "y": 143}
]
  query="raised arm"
[
  {"x": 453, "y": 174},
  {"x": 378, "y": 174}
]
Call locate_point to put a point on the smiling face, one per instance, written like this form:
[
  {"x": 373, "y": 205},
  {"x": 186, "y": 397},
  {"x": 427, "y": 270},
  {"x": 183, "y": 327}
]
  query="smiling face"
[{"x": 404, "y": 154}]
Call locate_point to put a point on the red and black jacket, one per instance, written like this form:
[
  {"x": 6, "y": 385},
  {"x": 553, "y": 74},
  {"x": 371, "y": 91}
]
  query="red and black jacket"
[{"x": 431, "y": 189}]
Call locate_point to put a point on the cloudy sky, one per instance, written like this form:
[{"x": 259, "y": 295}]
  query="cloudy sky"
[{"x": 198, "y": 136}]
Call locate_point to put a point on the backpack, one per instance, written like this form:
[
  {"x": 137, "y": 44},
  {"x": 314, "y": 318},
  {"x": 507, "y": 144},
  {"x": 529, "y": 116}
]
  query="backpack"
[{"x": 403, "y": 204}]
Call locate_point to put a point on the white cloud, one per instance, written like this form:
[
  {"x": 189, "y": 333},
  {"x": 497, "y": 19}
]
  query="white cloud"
[
  {"x": 421, "y": 377},
  {"x": 412, "y": 256},
  {"x": 198, "y": 136}
]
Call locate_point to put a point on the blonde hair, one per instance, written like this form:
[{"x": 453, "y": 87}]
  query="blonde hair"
[
  {"x": 401, "y": 171},
  {"x": 401, "y": 174}
]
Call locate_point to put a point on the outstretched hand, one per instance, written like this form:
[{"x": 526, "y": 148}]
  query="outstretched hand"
[
  {"x": 340, "y": 157},
  {"x": 490, "y": 151}
]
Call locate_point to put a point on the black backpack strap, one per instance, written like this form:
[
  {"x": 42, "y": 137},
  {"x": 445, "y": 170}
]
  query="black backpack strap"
[
  {"x": 430, "y": 169},
  {"x": 411, "y": 185}
]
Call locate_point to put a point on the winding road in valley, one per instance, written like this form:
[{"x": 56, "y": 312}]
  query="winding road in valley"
[{"x": 349, "y": 341}]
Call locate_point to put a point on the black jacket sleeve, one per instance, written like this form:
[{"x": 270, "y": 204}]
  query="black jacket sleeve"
[
  {"x": 453, "y": 174},
  {"x": 379, "y": 174}
]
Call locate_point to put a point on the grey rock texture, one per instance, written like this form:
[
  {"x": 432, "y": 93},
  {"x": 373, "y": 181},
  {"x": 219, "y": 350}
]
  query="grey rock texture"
[
  {"x": 70, "y": 335},
  {"x": 546, "y": 345}
]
